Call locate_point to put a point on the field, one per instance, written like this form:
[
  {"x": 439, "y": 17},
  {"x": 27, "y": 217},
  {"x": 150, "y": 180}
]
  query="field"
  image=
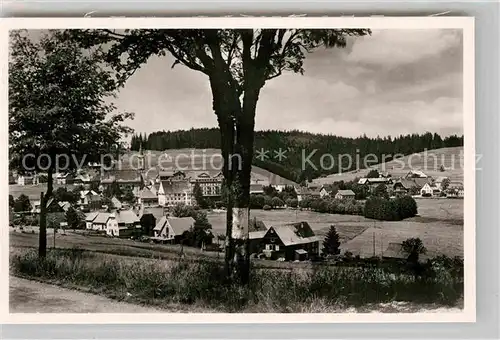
[{"x": 428, "y": 161}]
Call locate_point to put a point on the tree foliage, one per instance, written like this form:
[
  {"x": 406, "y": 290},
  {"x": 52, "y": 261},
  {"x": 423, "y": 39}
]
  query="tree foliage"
[
  {"x": 22, "y": 203},
  {"x": 73, "y": 218},
  {"x": 413, "y": 247},
  {"x": 58, "y": 106}
]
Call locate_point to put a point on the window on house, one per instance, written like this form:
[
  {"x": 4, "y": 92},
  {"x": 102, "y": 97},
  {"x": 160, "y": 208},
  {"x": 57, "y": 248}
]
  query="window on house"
[
  {"x": 268, "y": 247},
  {"x": 276, "y": 247}
]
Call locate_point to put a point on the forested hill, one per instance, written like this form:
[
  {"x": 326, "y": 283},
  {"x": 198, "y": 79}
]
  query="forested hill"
[{"x": 300, "y": 145}]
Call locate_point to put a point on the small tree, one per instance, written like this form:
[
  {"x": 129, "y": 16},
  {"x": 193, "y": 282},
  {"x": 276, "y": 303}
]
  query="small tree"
[
  {"x": 413, "y": 247},
  {"x": 198, "y": 196},
  {"x": 331, "y": 242},
  {"x": 12, "y": 201},
  {"x": 373, "y": 174},
  {"x": 129, "y": 196},
  {"x": 22, "y": 203},
  {"x": 276, "y": 202},
  {"x": 73, "y": 218},
  {"x": 381, "y": 191},
  {"x": 445, "y": 183}
]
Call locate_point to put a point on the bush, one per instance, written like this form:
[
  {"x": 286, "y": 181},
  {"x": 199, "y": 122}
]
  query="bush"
[
  {"x": 266, "y": 207},
  {"x": 390, "y": 209}
]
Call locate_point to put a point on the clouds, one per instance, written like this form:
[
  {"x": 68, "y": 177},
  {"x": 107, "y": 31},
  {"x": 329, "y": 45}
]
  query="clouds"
[
  {"x": 394, "y": 47},
  {"x": 393, "y": 82}
]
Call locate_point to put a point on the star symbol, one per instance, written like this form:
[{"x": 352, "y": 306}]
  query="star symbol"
[
  {"x": 262, "y": 154},
  {"x": 280, "y": 154}
]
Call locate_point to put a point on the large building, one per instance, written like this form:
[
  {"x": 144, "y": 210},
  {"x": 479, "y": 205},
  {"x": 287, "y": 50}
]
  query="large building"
[{"x": 171, "y": 193}]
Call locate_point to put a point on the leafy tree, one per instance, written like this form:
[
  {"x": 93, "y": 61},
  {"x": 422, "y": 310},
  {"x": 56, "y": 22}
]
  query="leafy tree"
[
  {"x": 257, "y": 201},
  {"x": 22, "y": 203},
  {"x": 292, "y": 202},
  {"x": 373, "y": 174},
  {"x": 73, "y": 218},
  {"x": 108, "y": 203},
  {"x": 413, "y": 247},
  {"x": 445, "y": 183},
  {"x": 128, "y": 196},
  {"x": 62, "y": 194},
  {"x": 269, "y": 190},
  {"x": 238, "y": 63},
  {"x": 277, "y": 202},
  {"x": 201, "y": 232},
  {"x": 381, "y": 191},
  {"x": 12, "y": 201},
  {"x": 331, "y": 243},
  {"x": 198, "y": 196},
  {"x": 57, "y": 108}
]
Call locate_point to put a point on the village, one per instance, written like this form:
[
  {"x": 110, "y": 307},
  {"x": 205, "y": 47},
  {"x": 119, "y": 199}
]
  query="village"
[{"x": 146, "y": 214}]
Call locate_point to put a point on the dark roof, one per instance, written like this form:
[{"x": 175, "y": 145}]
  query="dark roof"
[
  {"x": 294, "y": 233},
  {"x": 422, "y": 181},
  {"x": 175, "y": 187},
  {"x": 406, "y": 183},
  {"x": 180, "y": 224}
]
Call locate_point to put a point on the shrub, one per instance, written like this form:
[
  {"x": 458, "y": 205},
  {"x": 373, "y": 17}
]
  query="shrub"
[
  {"x": 266, "y": 207},
  {"x": 390, "y": 209}
]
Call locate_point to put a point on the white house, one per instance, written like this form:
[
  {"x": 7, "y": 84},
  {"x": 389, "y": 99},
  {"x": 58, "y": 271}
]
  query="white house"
[
  {"x": 172, "y": 228},
  {"x": 27, "y": 180},
  {"x": 345, "y": 194},
  {"x": 86, "y": 195},
  {"x": 429, "y": 189}
]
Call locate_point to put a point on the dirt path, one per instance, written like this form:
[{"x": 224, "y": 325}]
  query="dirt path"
[{"x": 35, "y": 297}]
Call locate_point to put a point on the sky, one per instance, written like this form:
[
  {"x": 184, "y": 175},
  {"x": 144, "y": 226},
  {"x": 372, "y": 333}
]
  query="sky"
[{"x": 390, "y": 83}]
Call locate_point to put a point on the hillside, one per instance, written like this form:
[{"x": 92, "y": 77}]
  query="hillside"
[
  {"x": 428, "y": 161},
  {"x": 191, "y": 159},
  {"x": 297, "y": 145}
]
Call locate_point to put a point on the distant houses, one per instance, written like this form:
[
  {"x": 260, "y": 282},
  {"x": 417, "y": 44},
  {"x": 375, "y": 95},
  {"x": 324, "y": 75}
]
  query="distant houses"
[
  {"x": 345, "y": 194},
  {"x": 118, "y": 223}
]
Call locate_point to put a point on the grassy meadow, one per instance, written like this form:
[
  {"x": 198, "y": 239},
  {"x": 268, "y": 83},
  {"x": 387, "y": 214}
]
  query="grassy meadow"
[{"x": 202, "y": 284}]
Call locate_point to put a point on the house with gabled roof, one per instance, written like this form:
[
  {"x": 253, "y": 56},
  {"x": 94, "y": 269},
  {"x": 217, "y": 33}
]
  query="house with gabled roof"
[
  {"x": 171, "y": 229},
  {"x": 147, "y": 198},
  {"x": 291, "y": 241},
  {"x": 345, "y": 195}
]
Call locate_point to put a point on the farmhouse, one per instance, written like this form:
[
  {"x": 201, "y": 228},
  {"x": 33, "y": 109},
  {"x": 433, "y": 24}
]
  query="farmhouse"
[
  {"x": 86, "y": 197},
  {"x": 119, "y": 223},
  {"x": 307, "y": 193},
  {"x": 89, "y": 220},
  {"x": 345, "y": 194},
  {"x": 326, "y": 190},
  {"x": 294, "y": 241},
  {"x": 172, "y": 228},
  {"x": 123, "y": 223},
  {"x": 279, "y": 183}
]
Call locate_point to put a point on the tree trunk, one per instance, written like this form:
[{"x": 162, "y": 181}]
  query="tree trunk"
[{"x": 42, "y": 240}]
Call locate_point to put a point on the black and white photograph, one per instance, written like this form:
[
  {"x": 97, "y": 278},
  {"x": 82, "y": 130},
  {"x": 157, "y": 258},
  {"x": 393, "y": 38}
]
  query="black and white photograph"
[{"x": 242, "y": 169}]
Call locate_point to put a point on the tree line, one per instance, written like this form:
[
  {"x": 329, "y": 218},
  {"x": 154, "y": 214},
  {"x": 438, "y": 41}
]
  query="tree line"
[{"x": 294, "y": 142}]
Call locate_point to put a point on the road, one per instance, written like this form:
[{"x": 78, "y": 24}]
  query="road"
[{"x": 28, "y": 296}]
